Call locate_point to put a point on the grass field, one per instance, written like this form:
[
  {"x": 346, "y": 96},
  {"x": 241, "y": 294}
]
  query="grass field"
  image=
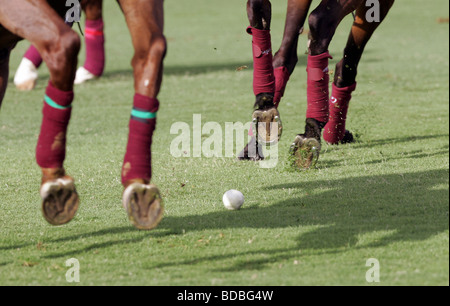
[{"x": 384, "y": 197}]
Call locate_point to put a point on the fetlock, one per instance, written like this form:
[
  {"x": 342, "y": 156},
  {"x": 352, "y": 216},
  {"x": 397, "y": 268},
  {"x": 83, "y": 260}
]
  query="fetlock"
[
  {"x": 49, "y": 174},
  {"x": 264, "y": 101},
  {"x": 313, "y": 129},
  {"x": 348, "y": 137},
  {"x": 135, "y": 181}
]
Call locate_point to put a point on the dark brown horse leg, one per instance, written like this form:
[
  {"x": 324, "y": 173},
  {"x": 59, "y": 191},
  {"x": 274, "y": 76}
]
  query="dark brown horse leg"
[
  {"x": 360, "y": 34},
  {"x": 55, "y": 41},
  {"x": 59, "y": 47},
  {"x": 93, "y": 9},
  {"x": 259, "y": 14},
  {"x": 346, "y": 71},
  {"x": 145, "y": 21},
  {"x": 265, "y": 113},
  {"x": 323, "y": 22},
  {"x": 4, "y": 72},
  {"x": 286, "y": 57},
  {"x": 297, "y": 12}
]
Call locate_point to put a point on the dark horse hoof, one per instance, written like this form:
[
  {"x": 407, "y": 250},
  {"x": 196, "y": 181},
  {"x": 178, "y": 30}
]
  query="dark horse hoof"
[
  {"x": 252, "y": 151},
  {"x": 348, "y": 138}
]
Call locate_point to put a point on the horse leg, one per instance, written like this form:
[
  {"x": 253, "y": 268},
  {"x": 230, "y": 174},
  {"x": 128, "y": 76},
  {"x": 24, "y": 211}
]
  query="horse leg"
[
  {"x": 4, "y": 72},
  {"x": 26, "y": 75},
  {"x": 346, "y": 71},
  {"x": 95, "y": 42},
  {"x": 37, "y": 22},
  {"x": 286, "y": 57},
  {"x": 259, "y": 15},
  {"x": 323, "y": 22},
  {"x": 141, "y": 200},
  {"x": 265, "y": 113}
]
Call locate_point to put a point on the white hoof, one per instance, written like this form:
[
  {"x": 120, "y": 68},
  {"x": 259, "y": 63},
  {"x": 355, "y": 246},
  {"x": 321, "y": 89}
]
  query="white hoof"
[
  {"x": 83, "y": 75},
  {"x": 26, "y": 75}
]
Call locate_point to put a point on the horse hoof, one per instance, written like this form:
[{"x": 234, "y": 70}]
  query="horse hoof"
[
  {"x": 267, "y": 125},
  {"x": 26, "y": 86},
  {"x": 60, "y": 200},
  {"x": 144, "y": 205},
  {"x": 252, "y": 151},
  {"x": 348, "y": 138},
  {"x": 83, "y": 76},
  {"x": 26, "y": 76},
  {"x": 305, "y": 151}
]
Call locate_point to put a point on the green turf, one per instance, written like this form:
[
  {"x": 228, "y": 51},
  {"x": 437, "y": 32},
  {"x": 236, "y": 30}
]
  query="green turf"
[{"x": 384, "y": 197}]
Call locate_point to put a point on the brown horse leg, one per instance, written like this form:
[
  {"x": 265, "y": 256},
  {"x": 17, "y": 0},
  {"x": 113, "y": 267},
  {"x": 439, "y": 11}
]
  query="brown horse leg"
[
  {"x": 59, "y": 47},
  {"x": 295, "y": 19},
  {"x": 346, "y": 71},
  {"x": 94, "y": 41},
  {"x": 4, "y": 72},
  {"x": 92, "y": 9},
  {"x": 360, "y": 34},
  {"x": 259, "y": 14},
  {"x": 145, "y": 21},
  {"x": 286, "y": 58},
  {"x": 323, "y": 22},
  {"x": 55, "y": 41}
]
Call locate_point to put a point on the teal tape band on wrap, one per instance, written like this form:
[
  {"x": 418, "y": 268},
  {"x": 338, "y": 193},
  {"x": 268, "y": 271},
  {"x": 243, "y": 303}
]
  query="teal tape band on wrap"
[
  {"x": 143, "y": 115},
  {"x": 53, "y": 104}
]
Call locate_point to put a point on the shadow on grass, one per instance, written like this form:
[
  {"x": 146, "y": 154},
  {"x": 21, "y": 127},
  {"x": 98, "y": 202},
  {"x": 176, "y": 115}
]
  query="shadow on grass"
[
  {"x": 392, "y": 208},
  {"x": 139, "y": 236},
  {"x": 397, "y": 140},
  {"x": 195, "y": 69},
  {"x": 414, "y": 155},
  {"x": 168, "y": 70},
  {"x": 417, "y": 154},
  {"x": 410, "y": 207},
  {"x": 183, "y": 70},
  {"x": 402, "y": 207}
]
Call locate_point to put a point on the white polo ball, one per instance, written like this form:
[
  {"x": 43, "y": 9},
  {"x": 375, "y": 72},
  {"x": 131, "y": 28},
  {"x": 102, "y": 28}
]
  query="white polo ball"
[{"x": 233, "y": 199}]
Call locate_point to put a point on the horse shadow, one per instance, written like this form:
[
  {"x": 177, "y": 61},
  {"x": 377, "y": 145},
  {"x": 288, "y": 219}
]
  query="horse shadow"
[
  {"x": 400, "y": 207},
  {"x": 393, "y": 208},
  {"x": 192, "y": 70},
  {"x": 402, "y": 203},
  {"x": 397, "y": 140},
  {"x": 406, "y": 207}
]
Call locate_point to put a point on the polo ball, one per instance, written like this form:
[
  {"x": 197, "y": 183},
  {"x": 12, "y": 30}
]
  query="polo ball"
[{"x": 233, "y": 199}]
